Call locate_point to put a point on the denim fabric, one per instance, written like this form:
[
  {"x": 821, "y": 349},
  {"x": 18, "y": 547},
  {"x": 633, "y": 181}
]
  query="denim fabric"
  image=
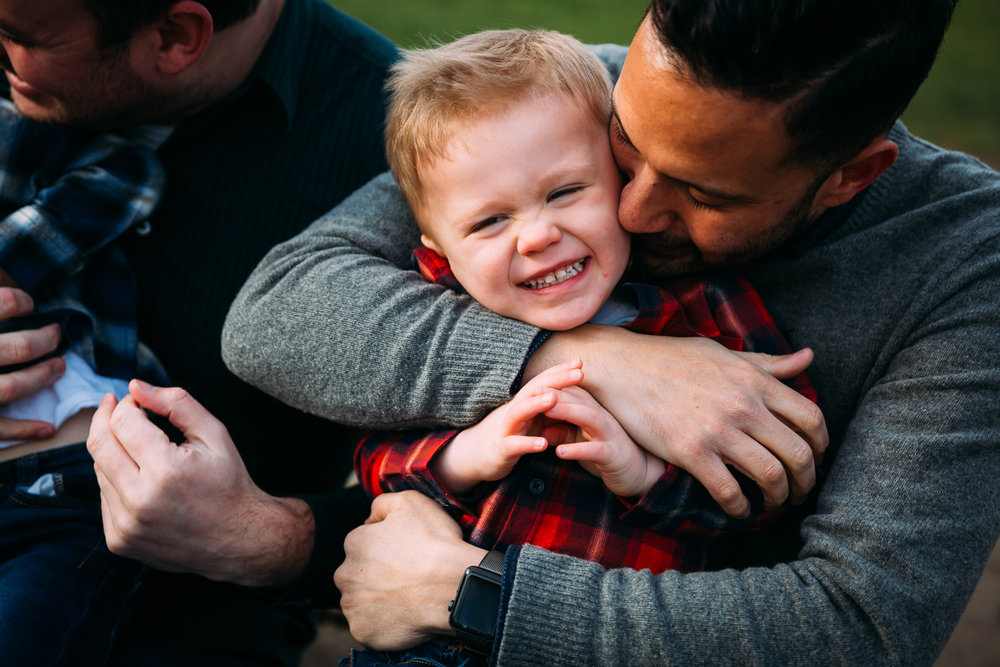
[
  {"x": 63, "y": 595},
  {"x": 434, "y": 653}
]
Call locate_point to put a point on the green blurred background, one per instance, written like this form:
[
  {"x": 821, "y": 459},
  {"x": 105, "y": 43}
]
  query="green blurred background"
[{"x": 958, "y": 106}]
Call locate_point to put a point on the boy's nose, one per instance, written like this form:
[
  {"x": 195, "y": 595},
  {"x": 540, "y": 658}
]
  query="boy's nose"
[{"x": 537, "y": 235}]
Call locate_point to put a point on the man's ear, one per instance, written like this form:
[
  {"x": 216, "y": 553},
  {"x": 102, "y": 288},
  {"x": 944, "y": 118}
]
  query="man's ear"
[
  {"x": 857, "y": 174},
  {"x": 428, "y": 242},
  {"x": 182, "y": 36}
]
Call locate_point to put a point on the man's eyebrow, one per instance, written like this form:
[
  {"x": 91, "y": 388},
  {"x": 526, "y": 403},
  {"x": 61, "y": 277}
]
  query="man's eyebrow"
[{"x": 714, "y": 193}]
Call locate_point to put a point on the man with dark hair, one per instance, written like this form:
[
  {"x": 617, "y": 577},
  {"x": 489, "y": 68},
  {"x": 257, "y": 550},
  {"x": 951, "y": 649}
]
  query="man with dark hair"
[
  {"x": 878, "y": 250},
  {"x": 266, "y": 113}
]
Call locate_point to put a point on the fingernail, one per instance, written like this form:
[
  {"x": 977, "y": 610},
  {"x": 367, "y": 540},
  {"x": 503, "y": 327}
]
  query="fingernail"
[{"x": 144, "y": 386}]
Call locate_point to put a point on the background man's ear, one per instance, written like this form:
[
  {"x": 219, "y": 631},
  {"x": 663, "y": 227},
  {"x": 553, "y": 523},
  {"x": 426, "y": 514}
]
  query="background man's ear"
[
  {"x": 182, "y": 36},
  {"x": 857, "y": 174}
]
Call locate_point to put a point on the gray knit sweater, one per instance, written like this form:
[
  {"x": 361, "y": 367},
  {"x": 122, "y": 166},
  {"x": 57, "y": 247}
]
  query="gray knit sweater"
[{"x": 901, "y": 304}]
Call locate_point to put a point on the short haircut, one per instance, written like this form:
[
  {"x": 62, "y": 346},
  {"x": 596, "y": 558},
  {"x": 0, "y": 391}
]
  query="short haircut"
[
  {"x": 845, "y": 68},
  {"x": 118, "y": 20},
  {"x": 434, "y": 91}
]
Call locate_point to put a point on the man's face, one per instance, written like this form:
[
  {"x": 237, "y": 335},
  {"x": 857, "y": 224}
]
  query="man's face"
[
  {"x": 708, "y": 185},
  {"x": 57, "y": 73},
  {"x": 524, "y": 207}
]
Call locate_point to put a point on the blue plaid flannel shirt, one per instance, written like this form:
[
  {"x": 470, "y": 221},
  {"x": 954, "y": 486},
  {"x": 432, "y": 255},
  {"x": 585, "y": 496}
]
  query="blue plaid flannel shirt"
[{"x": 65, "y": 196}]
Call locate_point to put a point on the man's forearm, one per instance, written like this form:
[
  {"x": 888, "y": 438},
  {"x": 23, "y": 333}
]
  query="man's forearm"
[{"x": 332, "y": 323}]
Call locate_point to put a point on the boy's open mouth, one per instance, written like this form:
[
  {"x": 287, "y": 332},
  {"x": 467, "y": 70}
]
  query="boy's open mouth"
[{"x": 557, "y": 276}]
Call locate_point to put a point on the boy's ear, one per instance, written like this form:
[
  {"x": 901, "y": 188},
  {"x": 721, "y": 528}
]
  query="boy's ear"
[
  {"x": 182, "y": 36},
  {"x": 428, "y": 242},
  {"x": 857, "y": 174}
]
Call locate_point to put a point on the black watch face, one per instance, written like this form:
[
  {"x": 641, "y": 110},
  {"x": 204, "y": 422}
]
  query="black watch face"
[{"x": 478, "y": 603}]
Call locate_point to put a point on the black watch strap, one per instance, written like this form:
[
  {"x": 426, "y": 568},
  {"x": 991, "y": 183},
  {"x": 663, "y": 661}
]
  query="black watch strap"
[{"x": 493, "y": 561}]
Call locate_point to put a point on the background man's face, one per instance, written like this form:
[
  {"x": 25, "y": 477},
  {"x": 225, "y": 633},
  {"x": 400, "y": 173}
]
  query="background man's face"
[
  {"x": 49, "y": 52},
  {"x": 707, "y": 183}
]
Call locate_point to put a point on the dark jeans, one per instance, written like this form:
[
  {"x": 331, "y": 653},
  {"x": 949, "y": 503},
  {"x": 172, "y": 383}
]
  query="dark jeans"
[
  {"x": 63, "y": 595},
  {"x": 435, "y": 653}
]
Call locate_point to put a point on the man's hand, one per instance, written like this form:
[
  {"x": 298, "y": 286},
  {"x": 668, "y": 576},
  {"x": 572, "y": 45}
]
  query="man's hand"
[
  {"x": 401, "y": 569},
  {"x": 700, "y": 406},
  {"x": 190, "y": 507},
  {"x": 21, "y": 347}
]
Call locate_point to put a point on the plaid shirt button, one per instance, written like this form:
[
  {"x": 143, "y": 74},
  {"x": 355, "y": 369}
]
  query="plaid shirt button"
[{"x": 536, "y": 486}]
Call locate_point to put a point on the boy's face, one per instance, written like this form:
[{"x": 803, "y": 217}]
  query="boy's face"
[{"x": 525, "y": 208}]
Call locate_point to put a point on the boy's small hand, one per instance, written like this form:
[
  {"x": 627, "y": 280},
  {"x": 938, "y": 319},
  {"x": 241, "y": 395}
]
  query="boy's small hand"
[
  {"x": 604, "y": 448},
  {"x": 489, "y": 450}
]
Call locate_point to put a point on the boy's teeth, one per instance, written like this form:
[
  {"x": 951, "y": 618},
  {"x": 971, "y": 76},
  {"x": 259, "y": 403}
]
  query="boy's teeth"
[{"x": 556, "y": 276}]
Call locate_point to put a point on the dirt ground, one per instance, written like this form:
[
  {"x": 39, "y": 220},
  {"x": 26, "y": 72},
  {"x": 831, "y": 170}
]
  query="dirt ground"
[{"x": 975, "y": 642}]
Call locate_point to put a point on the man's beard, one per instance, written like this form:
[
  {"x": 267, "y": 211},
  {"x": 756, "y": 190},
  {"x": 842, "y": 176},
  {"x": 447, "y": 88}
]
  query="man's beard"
[{"x": 658, "y": 257}]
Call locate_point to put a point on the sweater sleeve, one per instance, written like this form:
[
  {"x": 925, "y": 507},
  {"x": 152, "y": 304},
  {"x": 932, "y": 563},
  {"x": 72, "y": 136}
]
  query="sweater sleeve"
[
  {"x": 902, "y": 528},
  {"x": 427, "y": 356}
]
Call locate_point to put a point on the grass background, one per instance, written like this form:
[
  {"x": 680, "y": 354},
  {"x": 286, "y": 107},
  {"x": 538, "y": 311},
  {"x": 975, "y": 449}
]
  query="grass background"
[{"x": 958, "y": 106}]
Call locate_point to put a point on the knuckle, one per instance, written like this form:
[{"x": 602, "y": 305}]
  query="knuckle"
[
  {"x": 9, "y": 303},
  {"x": 176, "y": 394},
  {"x": 115, "y": 543},
  {"x": 8, "y": 390},
  {"x": 16, "y": 348},
  {"x": 728, "y": 492},
  {"x": 812, "y": 418},
  {"x": 800, "y": 458},
  {"x": 739, "y": 403},
  {"x": 772, "y": 474}
]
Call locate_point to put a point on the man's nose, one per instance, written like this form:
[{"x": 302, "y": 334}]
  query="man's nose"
[
  {"x": 537, "y": 235},
  {"x": 645, "y": 206}
]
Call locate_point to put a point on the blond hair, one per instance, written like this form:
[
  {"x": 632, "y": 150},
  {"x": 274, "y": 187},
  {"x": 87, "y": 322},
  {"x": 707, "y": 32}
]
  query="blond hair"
[{"x": 433, "y": 91}]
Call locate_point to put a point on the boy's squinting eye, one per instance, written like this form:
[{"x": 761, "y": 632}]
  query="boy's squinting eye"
[
  {"x": 486, "y": 222},
  {"x": 562, "y": 192}
]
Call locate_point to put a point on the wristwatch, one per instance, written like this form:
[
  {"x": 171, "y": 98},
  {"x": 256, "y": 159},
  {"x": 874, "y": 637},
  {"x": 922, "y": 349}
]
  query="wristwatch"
[{"x": 477, "y": 603}]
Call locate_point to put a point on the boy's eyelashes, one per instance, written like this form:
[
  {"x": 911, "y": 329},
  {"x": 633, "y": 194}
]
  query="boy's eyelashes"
[
  {"x": 494, "y": 219},
  {"x": 486, "y": 222},
  {"x": 562, "y": 192}
]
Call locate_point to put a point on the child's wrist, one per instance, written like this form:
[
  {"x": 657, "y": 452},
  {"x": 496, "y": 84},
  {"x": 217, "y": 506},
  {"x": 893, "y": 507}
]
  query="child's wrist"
[{"x": 448, "y": 469}]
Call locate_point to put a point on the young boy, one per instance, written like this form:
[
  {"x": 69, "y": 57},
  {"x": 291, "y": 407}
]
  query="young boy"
[
  {"x": 499, "y": 142},
  {"x": 65, "y": 196}
]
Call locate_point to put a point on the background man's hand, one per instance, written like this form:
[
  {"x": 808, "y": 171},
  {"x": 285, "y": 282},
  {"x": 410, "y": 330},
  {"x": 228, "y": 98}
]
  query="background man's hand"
[
  {"x": 21, "y": 347},
  {"x": 191, "y": 506},
  {"x": 699, "y": 406},
  {"x": 401, "y": 569}
]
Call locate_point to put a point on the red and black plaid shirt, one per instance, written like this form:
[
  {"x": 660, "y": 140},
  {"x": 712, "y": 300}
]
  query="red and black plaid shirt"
[{"x": 556, "y": 504}]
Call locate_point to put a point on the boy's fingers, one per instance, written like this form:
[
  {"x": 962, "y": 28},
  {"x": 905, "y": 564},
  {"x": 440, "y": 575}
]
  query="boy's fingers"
[
  {"x": 523, "y": 409},
  {"x": 562, "y": 375},
  {"x": 515, "y": 446}
]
